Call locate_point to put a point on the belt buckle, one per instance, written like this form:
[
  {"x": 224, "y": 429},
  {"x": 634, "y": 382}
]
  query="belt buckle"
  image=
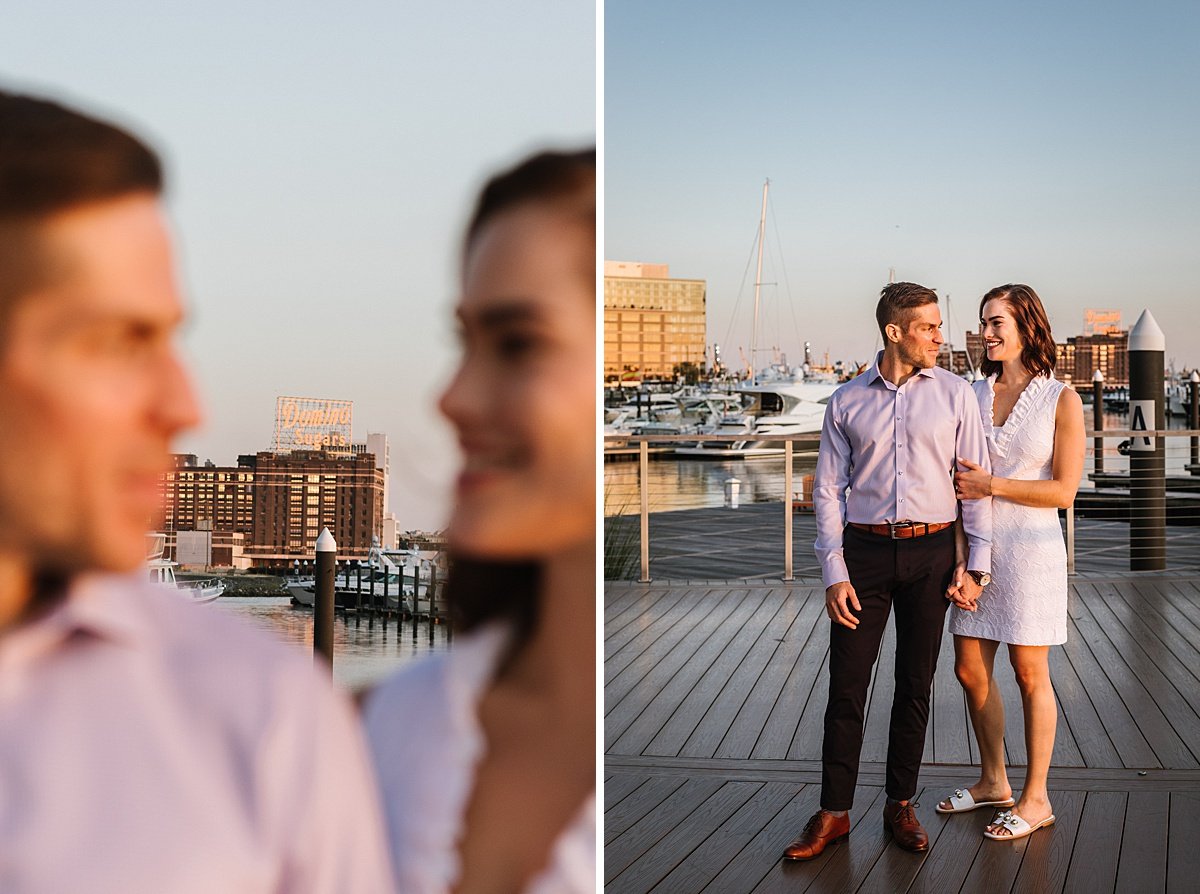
[{"x": 894, "y": 526}]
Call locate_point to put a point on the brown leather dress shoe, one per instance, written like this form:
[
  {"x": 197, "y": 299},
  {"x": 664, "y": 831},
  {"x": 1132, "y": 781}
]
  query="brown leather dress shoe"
[
  {"x": 901, "y": 820},
  {"x": 821, "y": 830}
]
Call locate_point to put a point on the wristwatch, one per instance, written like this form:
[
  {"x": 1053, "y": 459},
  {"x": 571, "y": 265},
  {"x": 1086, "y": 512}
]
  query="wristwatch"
[{"x": 980, "y": 577}]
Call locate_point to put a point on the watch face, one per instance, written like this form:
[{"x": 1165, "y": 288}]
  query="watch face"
[{"x": 982, "y": 578}]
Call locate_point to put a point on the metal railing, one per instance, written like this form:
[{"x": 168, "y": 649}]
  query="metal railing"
[{"x": 1122, "y": 518}]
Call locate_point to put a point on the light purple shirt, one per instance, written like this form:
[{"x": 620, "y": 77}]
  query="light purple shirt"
[
  {"x": 147, "y": 744},
  {"x": 894, "y": 450}
]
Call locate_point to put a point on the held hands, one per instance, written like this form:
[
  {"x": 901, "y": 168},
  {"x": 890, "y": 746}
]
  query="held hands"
[
  {"x": 973, "y": 484},
  {"x": 838, "y": 600},
  {"x": 963, "y": 591}
]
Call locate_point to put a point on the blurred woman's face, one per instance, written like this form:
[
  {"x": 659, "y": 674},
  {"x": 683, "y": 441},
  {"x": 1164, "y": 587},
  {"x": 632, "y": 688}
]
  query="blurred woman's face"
[{"x": 524, "y": 398}]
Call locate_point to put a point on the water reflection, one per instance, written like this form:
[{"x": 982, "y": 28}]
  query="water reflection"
[{"x": 364, "y": 650}]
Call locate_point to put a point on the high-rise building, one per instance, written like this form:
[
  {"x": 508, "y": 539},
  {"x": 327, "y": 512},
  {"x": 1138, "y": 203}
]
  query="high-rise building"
[{"x": 653, "y": 324}]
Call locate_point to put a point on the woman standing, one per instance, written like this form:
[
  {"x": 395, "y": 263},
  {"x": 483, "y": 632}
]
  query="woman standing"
[
  {"x": 486, "y": 753},
  {"x": 1034, "y": 427}
]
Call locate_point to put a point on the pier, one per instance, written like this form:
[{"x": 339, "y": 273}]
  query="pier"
[
  {"x": 714, "y": 694},
  {"x": 715, "y": 687}
]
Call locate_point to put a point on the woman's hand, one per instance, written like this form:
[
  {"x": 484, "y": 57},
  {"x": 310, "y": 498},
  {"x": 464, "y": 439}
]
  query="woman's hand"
[
  {"x": 973, "y": 484},
  {"x": 957, "y": 592}
]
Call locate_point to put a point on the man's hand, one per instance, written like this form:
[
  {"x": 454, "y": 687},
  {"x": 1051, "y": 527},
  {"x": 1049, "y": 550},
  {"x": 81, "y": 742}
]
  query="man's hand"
[
  {"x": 954, "y": 592},
  {"x": 838, "y": 600},
  {"x": 968, "y": 593}
]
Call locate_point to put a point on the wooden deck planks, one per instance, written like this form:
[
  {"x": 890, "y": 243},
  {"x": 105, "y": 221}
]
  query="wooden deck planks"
[
  {"x": 749, "y": 724},
  {"x": 713, "y": 854},
  {"x": 736, "y": 678},
  {"x": 1142, "y": 865},
  {"x": 1183, "y": 854},
  {"x": 716, "y": 671}
]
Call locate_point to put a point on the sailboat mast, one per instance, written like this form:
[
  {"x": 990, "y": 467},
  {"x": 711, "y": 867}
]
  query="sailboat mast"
[{"x": 762, "y": 230}]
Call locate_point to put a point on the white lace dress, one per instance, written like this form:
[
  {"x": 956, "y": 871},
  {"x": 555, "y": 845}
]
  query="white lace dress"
[
  {"x": 1026, "y": 602},
  {"x": 423, "y": 729}
]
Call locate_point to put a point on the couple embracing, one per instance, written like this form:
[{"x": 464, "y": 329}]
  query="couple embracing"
[{"x": 931, "y": 492}]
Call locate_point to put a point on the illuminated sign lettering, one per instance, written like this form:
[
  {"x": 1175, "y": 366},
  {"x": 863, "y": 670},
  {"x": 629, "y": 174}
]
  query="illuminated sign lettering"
[{"x": 310, "y": 423}]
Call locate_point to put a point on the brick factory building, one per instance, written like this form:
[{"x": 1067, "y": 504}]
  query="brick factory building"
[{"x": 278, "y": 503}]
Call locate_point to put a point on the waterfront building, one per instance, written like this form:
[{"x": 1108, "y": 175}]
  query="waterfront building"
[
  {"x": 205, "y": 497},
  {"x": 277, "y": 503},
  {"x": 653, "y": 324},
  {"x": 297, "y": 494}
]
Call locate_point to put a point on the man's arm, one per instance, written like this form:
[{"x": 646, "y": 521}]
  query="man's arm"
[
  {"x": 829, "y": 495},
  {"x": 971, "y": 444}
]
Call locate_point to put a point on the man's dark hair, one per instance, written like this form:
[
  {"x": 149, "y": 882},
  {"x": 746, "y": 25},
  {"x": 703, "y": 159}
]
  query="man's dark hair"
[
  {"x": 481, "y": 590},
  {"x": 897, "y": 301},
  {"x": 53, "y": 158}
]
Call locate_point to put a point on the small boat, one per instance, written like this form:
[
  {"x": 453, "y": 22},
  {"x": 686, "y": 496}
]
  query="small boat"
[
  {"x": 162, "y": 571},
  {"x": 379, "y": 575}
]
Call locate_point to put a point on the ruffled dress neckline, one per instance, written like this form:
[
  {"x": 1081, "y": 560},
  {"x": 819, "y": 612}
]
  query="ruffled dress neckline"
[{"x": 1001, "y": 435}]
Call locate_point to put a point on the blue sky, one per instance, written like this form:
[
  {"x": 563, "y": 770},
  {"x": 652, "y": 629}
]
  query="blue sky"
[
  {"x": 322, "y": 162},
  {"x": 964, "y": 144}
]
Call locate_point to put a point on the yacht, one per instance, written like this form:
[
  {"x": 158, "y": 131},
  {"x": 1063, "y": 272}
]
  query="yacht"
[{"x": 162, "y": 571}]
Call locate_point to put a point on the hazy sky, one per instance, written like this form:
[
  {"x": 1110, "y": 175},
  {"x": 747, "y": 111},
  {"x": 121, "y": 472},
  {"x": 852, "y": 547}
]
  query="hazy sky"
[
  {"x": 964, "y": 144},
  {"x": 322, "y": 160}
]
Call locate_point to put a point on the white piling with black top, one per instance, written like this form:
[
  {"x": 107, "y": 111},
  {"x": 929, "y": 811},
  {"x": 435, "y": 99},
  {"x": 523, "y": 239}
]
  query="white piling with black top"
[
  {"x": 326, "y": 549},
  {"x": 1147, "y": 454}
]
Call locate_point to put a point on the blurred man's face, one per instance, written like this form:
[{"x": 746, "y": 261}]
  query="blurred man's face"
[{"x": 92, "y": 391}]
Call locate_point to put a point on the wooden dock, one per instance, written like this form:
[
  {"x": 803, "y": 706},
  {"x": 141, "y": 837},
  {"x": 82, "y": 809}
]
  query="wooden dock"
[
  {"x": 747, "y": 544},
  {"x": 714, "y": 694}
]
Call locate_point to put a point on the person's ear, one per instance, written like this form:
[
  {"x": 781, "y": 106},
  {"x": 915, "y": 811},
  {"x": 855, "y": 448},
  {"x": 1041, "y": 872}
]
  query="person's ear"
[{"x": 893, "y": 332}]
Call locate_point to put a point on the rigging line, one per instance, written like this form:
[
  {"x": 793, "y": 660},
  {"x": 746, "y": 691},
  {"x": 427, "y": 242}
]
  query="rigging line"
[
  {"x": 741, "y": 289},
  {"x": 787, "y": 286}
]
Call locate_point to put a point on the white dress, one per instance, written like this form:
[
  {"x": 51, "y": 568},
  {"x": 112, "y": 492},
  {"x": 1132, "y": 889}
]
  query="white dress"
[
  {"x": 423, "y": 729},
  {"x": 1026, "y": 602}
]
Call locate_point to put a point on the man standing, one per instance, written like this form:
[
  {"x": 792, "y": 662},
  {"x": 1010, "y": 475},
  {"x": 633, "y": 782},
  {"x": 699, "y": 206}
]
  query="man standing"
[
  {"x": 145, "y": 744},
  {"x": 891, "y": 438}
]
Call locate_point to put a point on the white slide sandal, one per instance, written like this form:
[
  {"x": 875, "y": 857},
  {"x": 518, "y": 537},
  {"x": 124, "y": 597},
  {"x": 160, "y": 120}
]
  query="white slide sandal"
[
  {"x": 1018, "y": 827},
  {"x": 962, "y": 802}
]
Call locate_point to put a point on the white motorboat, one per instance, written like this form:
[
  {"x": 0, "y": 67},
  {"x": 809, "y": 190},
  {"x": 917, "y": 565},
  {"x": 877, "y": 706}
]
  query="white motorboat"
[
  {"x": 162, "y": 571},
  {"x": 776, "y": 408}
]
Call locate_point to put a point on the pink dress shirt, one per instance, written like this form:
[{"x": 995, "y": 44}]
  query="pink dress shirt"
[
  {"x": 150, "y": 745},
  {"x": 894, "y": 450}
]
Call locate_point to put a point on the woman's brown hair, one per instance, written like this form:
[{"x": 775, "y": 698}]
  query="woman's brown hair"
[
  {"x": 482, "y": 590},
  {"x": 1039, "y": 352}
]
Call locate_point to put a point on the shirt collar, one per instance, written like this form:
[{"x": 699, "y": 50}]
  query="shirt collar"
[
  {"x": 873, "y": 373},
  {"x": 101, "y": 605}
]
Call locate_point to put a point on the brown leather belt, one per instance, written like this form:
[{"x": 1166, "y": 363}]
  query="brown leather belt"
[{"x": 903, "y": 530}]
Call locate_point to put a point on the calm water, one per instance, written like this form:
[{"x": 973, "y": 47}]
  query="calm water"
[
  {"x": 364, "y": 651},
  {"x": 694, "y": 484}
]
